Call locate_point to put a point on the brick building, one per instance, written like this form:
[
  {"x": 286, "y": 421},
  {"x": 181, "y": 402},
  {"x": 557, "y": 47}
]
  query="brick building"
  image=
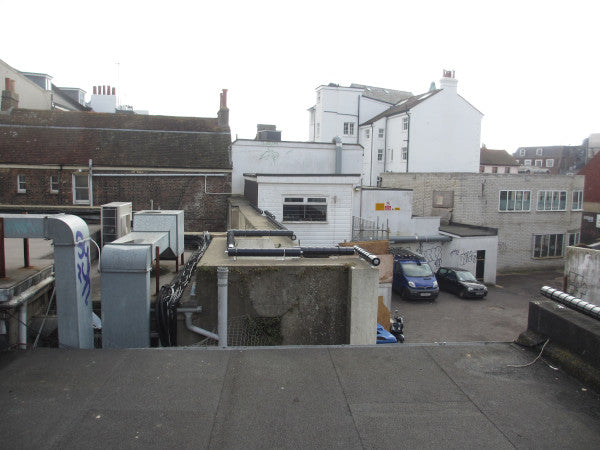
[
  {"x": 590, "y": 225},
  {"x": 536, "y": 216},
  {"x": 556, "y": 159},
  {"x": 76, "y": 161}
]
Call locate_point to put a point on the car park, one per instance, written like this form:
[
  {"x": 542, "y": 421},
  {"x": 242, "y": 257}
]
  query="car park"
[
  {"x": 460, "y": 282},
  {"x": 413, "y": 277}
]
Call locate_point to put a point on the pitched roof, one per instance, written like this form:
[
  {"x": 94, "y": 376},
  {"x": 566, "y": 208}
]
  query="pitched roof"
[
  {"x": 391, "y": 96},
  {"x": 402, "y": 106},
  {"x": 489, "y": 157},
  {"x": 57, "y": 137}
]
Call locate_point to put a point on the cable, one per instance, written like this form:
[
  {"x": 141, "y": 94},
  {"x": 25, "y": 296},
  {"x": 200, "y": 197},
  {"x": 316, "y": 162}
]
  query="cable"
[
  {"x": 98, "y": 247},
  {"x": 529, "y": 364}
]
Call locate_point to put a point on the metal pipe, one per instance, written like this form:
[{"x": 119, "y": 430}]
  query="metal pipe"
[
  {"x": 25, "y": 253},
  {"x": 222, "y": 281},
  {"x": 28, "y": 294},
  {"x": 373, "y": 259},
  {"x": 589, "y": 309},
  {"x": 157, "y": 267},
  {"x": 434, "y": 238},
  {"x": 23, "y": 326},
  {"x": 293, "y": 251},
  {"x": 261, "y": 233},
  {"x": 198, "y": 330},
  {"x": 2, "y": 256},
  {"x": 326, "y": 251}
]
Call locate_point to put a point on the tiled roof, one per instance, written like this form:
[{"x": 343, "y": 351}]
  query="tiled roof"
[
  {"x": 496, "y": 158},
  {"x": 391, "y": 96},
  {"x": 51, "y": 137},
  {"x": 403, "y": 106}
]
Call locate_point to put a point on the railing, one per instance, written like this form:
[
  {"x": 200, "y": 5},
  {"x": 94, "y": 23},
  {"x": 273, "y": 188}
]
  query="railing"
[{"x": 369, "y": 230}]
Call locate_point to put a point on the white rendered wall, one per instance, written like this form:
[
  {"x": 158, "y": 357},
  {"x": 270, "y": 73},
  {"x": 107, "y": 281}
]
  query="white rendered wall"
[
  {"x": 462, "y": 252},
  {"x": 31, "y": 96},
  {"x": 249, "y": 156},
  {"x": 445, "y": 135},
  {"x": 338, "y": 227},
  {"x": 397, "y": 208},
  {"x": 372, "y": 167}
]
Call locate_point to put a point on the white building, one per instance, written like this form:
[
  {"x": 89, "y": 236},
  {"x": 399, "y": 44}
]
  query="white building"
[{"x": 438, "y": 131}]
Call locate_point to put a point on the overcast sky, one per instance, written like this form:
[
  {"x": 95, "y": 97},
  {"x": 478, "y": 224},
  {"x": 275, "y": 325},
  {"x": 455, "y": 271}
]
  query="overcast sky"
[{"x": 531, "y": 67}]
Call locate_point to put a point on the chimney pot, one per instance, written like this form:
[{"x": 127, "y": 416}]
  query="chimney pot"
[
  {"x": 7, "y": 84},
  {"x": 94, "y": 90},
  {"x": 114, "y": 90}
]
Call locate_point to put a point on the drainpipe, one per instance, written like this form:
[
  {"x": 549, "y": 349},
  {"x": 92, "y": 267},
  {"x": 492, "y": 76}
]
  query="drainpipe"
[
  {"x": 91, "y": 183},
  {"x": 407, "y": 140},
  {"x": 385, "y": 145},
  {"x": 222, "y": 279},
  {"x": 193, "y": 328},
  {"x": 371, "y": 163},
  {"x": 338, "y": 155},
  {"x": 358, "y": 119}
]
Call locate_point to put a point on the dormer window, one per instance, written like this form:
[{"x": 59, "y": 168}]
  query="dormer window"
[{"x": 539, "y": 151}]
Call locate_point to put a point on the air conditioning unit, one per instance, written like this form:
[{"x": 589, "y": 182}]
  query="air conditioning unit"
[{"x": 115, "y": 220}]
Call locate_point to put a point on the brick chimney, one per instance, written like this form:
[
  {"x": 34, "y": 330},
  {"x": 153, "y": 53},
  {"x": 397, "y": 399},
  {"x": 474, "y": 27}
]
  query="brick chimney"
[
  {"x": 223, "y": 114},
  {"x": 10, "y": 99}
]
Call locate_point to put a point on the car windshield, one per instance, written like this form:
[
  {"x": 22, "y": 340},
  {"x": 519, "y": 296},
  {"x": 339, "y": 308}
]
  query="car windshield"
[
  {"x": 416, "y": 270},
  {"x": 465, "y": 276}
]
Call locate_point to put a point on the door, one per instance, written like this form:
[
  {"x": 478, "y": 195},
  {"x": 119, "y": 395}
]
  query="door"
[{"x": 480, "y": 268}]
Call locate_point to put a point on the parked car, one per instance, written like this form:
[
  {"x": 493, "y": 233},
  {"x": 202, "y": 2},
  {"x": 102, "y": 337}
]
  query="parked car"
[
  {"x": 460, "y": 282},
  {"x": 413, "y": 277}
]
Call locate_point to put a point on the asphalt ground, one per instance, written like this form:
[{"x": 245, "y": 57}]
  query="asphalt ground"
[{"x": 499, "y": 317}]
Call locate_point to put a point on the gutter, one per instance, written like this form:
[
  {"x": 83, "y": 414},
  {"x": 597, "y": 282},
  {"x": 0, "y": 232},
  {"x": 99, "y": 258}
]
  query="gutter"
[{"x": 416, "y": 238}]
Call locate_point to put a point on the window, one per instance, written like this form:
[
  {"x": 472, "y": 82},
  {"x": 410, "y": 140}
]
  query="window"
[
  {"x": 21, "y": 185},
  {"x": 81, "y": 189},
  {"x": 348, "y": 128},
  {"x": 404, "y": 153},
  {"x": 405, "y": 123},
  {"x": 391, "y": 152},
  {"x": 381, "y": 133},
  {"x": 527, "y": 162},
  {"x": 574, "y": 238},
  {"x": 539, "y": 163},
  {"x": 552, "y": 201},
  {"x": 318, "y": 131},
  {"x": 380, "y": 154},
  {"x": 521, "y": 152},
  {"x": 494, "y": 169},
  {"x": 515, "y": 201},
  {"x": 550, "y": 162},
  {"x": 539, "y": 151},
  {"x": 305, "y": 209},
  {"x": 367, "y": 133},
  {"x": 577, "y": 201},
  {"x": 548, "y": 245},
  {"x": 53, "y": 184}
]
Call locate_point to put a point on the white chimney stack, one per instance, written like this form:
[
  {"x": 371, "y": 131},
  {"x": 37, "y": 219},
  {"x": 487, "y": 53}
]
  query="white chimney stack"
[{"x": 448, "y": 83}]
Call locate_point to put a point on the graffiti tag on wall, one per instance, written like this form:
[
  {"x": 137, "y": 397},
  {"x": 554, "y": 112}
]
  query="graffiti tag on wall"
[
  {"x": 576, "y": 285},
  {"x": 469, "y": 257},
  {"x": 83, "y": 266}
]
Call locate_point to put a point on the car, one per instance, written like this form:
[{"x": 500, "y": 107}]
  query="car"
[
  {"x": 413, "y": 277},
  {"x": 460, "y": 282}
]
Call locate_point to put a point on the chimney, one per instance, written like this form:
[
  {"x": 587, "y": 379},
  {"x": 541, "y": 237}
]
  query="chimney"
[
  {"x": 223, "y": 114},
  {"x": 95, "y": 92},
  {"x": 10, "y": 99},
  {"x": 448, "y": 82}
]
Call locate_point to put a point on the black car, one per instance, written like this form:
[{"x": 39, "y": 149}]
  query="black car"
[{"x": 461, "y": 282}]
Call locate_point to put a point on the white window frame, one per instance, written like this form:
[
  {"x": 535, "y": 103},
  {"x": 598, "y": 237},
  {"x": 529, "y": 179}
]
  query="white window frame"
[
  {"x": 379, "y": 154},
  {"x": 405, "y": 123},
  {"x": 522, "y": 152},
  {"x": 577, "y": 200},
  {"x": 539, "y": 151},
  {"x": 550, "y": 162},
  {"x": 551, "y": 200},
  {"x": 21, "y": 184},
  {"x": 547, "y": 246},
  {"x": 348, "y": 128},
  {"x": 539, "y": 163},
  {"x": 527, "y": 162},
  {"x": 514, "y": 200},
  {"x": 77, "y": 189},
  {"x": 305, "y": 202},
  {"x": 54, "y": 184},
  {"x": 381, "y": 133},
  {"x": 574, "y": 238},
  {"x": 404, "y": 153},
  {"x": 367, "y": 133}
]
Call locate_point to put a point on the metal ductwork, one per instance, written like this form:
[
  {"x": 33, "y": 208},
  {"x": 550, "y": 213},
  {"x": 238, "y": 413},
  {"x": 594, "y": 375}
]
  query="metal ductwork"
[{"x": 578, "y": 304}]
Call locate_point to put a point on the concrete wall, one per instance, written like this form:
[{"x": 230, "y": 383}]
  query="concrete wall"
[
  {"x": 249, "y": 156},
  {"x": 582, "y": 269},
  {"x": 476, "y": 202},
  {"x": 462, "y": 252},
  {"x": 296, "y": 305},
  {"x": 390, "y": 207}
]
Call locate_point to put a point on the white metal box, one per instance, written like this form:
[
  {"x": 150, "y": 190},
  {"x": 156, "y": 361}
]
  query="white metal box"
[{"x": 170, "y": 221}]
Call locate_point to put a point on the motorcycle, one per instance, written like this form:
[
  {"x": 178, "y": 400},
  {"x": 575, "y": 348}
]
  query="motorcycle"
[{"x": 397, "y": 327}]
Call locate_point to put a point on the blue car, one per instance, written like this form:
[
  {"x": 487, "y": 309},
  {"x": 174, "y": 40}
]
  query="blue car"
[{"x": 384, "y": 336}]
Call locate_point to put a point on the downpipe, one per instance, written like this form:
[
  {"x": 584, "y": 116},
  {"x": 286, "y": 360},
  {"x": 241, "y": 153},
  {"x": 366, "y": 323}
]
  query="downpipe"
[{"x": 222, "y": 281}]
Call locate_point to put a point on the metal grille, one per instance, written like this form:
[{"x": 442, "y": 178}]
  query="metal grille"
[{"x": 368, "y": 230}]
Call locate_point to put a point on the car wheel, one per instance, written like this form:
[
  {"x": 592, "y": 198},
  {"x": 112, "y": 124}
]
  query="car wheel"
[
  {"x": 462, "y": 293},
  {"x": 404, "y": 294}
]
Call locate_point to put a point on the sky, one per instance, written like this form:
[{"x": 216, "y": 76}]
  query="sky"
[{"x": 531, "y": 67}]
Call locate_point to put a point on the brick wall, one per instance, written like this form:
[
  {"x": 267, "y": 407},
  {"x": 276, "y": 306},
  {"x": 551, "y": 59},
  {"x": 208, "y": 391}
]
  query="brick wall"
[
  {"x": 202, "y": 211},
  {"x": 476, "y": 200}
]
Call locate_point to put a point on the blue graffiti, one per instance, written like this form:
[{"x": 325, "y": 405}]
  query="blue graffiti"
[{"x": 83, "y": 266}]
